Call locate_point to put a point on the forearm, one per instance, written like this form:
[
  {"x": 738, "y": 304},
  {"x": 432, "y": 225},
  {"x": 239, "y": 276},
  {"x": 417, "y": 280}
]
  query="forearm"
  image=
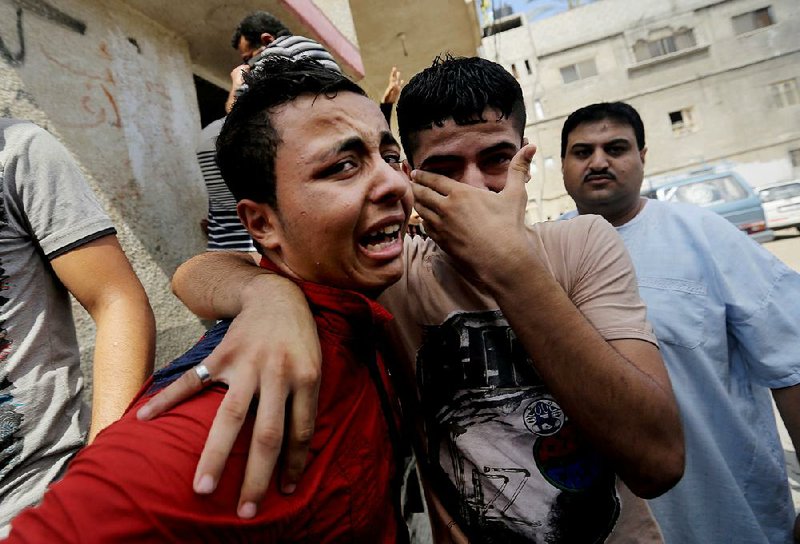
[
  {"x": 230, "y": 101},
  {"x": 627, "y": 411},
  {"x": 123, "y": 357},
  {"x": 211, "y": 284},
  {"x": 787, "y": 400},
  {"x": 218, "y": 285}
]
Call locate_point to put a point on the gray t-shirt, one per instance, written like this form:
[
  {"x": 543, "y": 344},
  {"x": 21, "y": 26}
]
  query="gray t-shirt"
[{"x": 46, "y": 210}]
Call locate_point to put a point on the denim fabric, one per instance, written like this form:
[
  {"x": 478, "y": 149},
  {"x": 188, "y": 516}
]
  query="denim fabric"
[{"x": 194, "y": 356}]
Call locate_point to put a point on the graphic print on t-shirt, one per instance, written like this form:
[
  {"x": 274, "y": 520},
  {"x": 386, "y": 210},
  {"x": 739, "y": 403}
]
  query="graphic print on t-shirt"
[
  {"x": 516, "y": 468},
  {"x": 10, "y": 418}
]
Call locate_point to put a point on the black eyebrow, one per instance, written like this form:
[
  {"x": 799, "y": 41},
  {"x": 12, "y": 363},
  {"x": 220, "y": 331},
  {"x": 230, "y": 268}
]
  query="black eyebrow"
[
  {"x": 439, "y": 158},
  {"x": 615, "y": 141},
  {"x": 387, "y": 138},
  {"x": 502, "y": 146},
  {"x": 350, "y": 144}
]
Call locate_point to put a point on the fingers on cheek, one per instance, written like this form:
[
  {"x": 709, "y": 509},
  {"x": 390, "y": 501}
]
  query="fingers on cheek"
[{"x": 420, "y": 193}]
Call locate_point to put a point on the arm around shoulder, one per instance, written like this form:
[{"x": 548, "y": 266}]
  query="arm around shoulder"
[{"x": 271, "y": 349}]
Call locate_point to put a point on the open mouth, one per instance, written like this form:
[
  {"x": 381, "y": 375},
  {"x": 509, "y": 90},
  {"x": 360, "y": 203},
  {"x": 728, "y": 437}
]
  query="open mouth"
[{"x": 381, "y": 238}]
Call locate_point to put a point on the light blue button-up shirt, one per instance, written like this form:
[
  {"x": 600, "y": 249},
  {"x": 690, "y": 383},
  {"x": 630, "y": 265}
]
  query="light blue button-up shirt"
[{"x": 727, "y": 316}]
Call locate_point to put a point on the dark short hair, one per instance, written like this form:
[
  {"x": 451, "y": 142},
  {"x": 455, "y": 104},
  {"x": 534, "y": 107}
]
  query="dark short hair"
[
  {"x": 248, "y": 141},
  {"x": 255, "y": 24},
  {"x": 458, "y": 88},
  {"x": 619, "y": 112}
]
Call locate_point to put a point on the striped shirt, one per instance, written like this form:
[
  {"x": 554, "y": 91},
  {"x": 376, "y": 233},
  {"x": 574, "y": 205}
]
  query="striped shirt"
[
  {"x": 293, "y": 47},
  {"x": 225, "y": 231}
]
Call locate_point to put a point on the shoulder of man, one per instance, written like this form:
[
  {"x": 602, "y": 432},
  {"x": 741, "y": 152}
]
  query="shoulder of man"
[
  {"x": 15, "y": 134},
  {"x": 570, "y": 246},
  {"x": 698, "y": 220},
  {"x": 571, "y": 226}
]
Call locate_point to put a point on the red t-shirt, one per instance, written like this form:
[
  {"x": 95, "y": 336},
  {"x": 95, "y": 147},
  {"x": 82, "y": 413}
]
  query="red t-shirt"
[{"x": 134, "y": 483}]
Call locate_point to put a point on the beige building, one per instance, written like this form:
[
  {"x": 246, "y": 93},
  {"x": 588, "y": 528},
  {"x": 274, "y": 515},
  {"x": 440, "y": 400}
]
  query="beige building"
[
  {"x": 716, "y": 82},
  {"x": 118, "y": 82},
  {"x": 408, "y": 34}
]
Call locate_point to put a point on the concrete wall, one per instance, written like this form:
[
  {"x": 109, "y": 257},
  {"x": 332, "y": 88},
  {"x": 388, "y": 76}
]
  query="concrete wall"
[
  {"x": 117, "y": 90},
  {"x": 724, "y": 79},
  {"x": 408, "y": 34}
]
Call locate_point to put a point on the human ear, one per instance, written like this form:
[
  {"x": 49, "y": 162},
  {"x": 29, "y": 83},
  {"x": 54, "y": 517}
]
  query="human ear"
[
  {"x": 266, "y": 38},
  {"x": 642, "y": 153},
  {"x": 262, "y": 222}
]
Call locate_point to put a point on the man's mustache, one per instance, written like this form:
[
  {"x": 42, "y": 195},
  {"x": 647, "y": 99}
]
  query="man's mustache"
[{"x": 599, "y": 174}]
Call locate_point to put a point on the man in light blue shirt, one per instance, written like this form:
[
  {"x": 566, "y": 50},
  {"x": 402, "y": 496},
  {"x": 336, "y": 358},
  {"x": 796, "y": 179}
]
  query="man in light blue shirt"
[{"x": 727, "y": 316}]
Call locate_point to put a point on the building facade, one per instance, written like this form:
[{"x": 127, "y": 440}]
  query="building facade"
[
  {"x": 409, "y": 34},
  {"x": 716, "y": 82}
]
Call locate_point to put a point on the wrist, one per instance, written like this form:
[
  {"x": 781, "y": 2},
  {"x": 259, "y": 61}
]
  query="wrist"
[
  {"x": 268, "y": 286},
  {"x": 512, "y": 262}
]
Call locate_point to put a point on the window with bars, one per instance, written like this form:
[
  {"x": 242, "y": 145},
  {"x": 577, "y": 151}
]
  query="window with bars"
[
  {"x": 753, "y": 20},
  {"x": 658, "y": 47},
  {"x": 784, "y": 93},
  {"x": 579, "y": 70}
]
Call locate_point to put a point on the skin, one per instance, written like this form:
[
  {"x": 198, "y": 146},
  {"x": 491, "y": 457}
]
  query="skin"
[
  {"x": 318, "y": 231},
  {"x": 603, "y": 172},
  {"x": 246, "y": 51},
  {"x": 788, "y": 402},
  {"x": 476, "y": 155},
  {"x": 125, "y": 338},
  {"x": 339, "y": 178},
  {"x": 392, "y": 92}
]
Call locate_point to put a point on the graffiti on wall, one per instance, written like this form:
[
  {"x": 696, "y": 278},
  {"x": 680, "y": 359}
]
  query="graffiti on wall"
[
  {"x": 42, "y": 9},
  {"x": 97, "y": 100}
]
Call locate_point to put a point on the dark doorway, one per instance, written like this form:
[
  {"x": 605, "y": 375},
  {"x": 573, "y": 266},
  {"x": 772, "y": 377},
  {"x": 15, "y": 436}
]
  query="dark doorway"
[{"x": 210, "y": 99}]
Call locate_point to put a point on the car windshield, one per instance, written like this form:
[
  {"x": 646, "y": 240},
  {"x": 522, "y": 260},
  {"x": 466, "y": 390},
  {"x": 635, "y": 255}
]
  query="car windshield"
[
  {"x": 705, "y": 193},
  {"x": 780, "y": 192}
]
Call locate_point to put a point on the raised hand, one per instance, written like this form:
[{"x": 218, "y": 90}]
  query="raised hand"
[
  {"x": 479, "y": 228},
  {"x": 392, "y": 92}
]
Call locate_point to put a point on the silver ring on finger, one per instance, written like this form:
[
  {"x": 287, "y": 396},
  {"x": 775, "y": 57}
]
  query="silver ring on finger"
[{"x": 202, "y": 372}]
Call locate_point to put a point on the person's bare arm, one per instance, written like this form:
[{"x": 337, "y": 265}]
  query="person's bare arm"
[
  {"x": 100, "y": 277},
  {"x": 271, "y": 350},
  {"x": 617, "y": 392},
  {"x": 237, "y": 80},
  {"x": 787, "y": 400}
]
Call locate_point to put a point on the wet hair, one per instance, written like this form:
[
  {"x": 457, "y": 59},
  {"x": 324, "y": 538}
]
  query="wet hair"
[
  {"x": 458, "y": 88},
  {"x": 254, "y": 25},
  {"x": 620, "y": 112},
  {"x": 248, "y": 141}
]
